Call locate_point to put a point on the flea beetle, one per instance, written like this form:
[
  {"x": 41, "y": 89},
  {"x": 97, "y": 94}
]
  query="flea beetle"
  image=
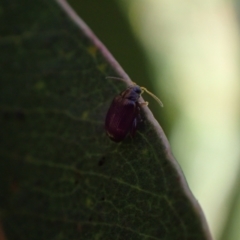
[{"x": 124, "y": 113}]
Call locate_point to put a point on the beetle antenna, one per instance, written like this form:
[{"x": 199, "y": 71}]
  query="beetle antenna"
[{"x": 153, "y": 96}]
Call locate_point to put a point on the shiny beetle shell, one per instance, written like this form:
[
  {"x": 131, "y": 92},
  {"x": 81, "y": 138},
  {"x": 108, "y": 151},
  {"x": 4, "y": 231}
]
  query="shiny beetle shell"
[{"x": 123, "y": 114}]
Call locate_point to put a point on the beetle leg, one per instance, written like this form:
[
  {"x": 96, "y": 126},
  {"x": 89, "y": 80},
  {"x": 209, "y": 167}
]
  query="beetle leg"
[
  {"x": 143, "y": 103},
  {"x": 134, "y": 127},
  {"x": 135, "y": 121},
  {"x": 139, "y": 119}
]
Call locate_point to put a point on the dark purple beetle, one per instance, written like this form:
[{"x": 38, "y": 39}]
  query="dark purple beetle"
[{"x": 124, "y": 112}]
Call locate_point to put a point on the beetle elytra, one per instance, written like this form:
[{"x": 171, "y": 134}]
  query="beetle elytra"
[{"x": 124, "y": 112}]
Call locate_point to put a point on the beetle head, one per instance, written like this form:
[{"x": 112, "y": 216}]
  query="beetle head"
[{"x": 138, "y": 90}]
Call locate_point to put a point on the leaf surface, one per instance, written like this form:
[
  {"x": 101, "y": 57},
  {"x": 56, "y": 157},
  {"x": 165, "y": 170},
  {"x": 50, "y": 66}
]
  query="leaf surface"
[{"x": 60, "y": 175}]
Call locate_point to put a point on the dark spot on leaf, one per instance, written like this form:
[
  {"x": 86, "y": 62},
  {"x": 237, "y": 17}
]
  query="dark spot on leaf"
[
  {"x": 48, "y": 73},
  {"x": 14, "y": 186},
  {"x": 20, "y": 115},
  {"x": 76, "y": 182},
  {"x": 38, "y": 183},
  {"x": 62, "y": 92},
  {"x": 6, "y": 115},
  {"x": 79, "y": 227},
  {"x": 101, "y": 161},
  {"x": 15, "y": 115},
  {"x": 103, "y": 199},
  {"x": 78, "y": 165},
  {"x": 90, "y": 219}
]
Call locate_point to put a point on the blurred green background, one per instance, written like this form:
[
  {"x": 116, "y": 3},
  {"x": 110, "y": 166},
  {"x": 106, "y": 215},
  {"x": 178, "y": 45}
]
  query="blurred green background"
[{"x": 187, "y": 53}]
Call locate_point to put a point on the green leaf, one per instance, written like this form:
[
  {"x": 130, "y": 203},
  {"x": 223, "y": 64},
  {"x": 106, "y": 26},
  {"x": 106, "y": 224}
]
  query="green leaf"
[{"x": 60, "y": 175}]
